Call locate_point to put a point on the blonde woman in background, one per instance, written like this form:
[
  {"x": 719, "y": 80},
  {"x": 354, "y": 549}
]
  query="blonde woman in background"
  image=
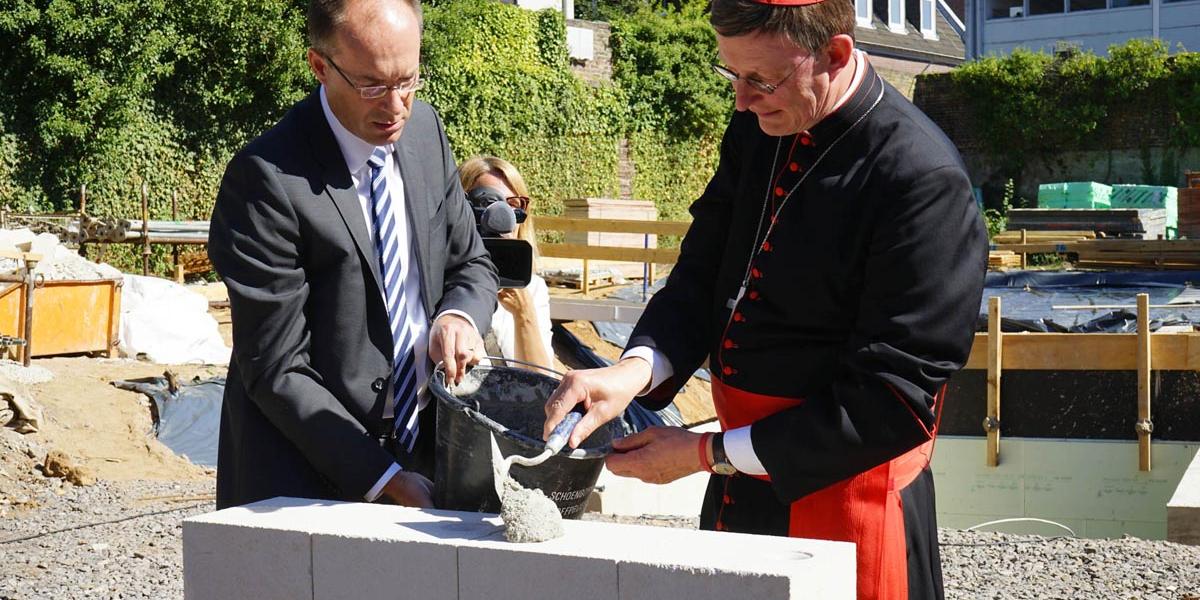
[{"x": 521, "y": 324}]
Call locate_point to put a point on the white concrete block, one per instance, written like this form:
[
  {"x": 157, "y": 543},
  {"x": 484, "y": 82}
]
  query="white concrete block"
[
  {"x": 1183, "y": 509},
  {"x": 245, "y": 553},
  {"x": 513, "y": 573},
  {"x": 363, "y": 551}
]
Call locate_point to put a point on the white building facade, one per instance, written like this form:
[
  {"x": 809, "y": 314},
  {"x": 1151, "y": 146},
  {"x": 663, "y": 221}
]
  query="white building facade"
[{"x": 997, "y": 27}]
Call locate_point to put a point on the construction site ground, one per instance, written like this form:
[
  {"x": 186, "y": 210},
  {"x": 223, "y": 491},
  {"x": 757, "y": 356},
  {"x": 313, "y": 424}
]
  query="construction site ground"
[{"x": 119, "y": 534}]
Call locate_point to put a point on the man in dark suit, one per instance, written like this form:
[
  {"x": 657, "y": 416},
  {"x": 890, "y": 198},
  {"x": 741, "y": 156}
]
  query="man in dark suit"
[{"x": 353, "y": 266}]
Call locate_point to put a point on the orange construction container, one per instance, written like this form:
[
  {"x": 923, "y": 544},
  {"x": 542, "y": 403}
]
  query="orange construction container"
[{"x": 69, "y": 317}]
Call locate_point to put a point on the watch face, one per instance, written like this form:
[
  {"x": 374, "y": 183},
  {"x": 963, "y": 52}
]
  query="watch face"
[{"x": 723, "y": 469}]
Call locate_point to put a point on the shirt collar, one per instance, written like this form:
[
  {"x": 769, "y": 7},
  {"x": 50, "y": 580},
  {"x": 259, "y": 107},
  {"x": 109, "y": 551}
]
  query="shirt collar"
[
  {"x": 860, "y": 63},
  {"x": 354, "y": 149}
]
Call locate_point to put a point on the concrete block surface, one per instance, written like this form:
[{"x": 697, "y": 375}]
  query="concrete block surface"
[
  {"x": 354, "y": 550},
  {"x": 222, "y": 561}
]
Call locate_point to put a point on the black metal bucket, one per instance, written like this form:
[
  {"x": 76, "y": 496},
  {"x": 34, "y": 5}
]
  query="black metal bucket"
[{"x": 508, "y": 402}]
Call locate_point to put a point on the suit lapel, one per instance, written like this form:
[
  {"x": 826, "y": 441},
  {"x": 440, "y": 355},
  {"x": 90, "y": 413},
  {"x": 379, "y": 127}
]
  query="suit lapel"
[
  {"x": 339, "y": 186},
  {"x": 416, "y": 201}
]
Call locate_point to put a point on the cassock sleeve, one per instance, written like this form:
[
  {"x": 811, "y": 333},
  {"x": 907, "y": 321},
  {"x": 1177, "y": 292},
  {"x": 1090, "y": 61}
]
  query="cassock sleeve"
[{"x": 915, "y": 321}]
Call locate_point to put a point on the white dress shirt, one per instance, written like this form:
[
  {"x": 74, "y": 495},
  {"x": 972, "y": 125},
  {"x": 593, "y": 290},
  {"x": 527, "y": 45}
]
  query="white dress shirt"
[
  {"x": 356, "y": 151},
  {"x": 738, "y": 446}
]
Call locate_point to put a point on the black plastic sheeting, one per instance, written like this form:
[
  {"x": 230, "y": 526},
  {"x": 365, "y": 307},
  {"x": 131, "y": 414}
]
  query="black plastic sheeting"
[
  {"x": 1028, "y": 298},
  {"x": 636, "y": 417},
  {"x": 187, "y": 421}
]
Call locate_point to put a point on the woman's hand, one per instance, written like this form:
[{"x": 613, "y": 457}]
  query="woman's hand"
[{"x": 517, "y": 301}]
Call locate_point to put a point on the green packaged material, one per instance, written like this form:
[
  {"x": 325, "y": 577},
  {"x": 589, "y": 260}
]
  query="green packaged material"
[
  {"x": 1148, "y": 196},
  {"x": 1074, "y": 194}
]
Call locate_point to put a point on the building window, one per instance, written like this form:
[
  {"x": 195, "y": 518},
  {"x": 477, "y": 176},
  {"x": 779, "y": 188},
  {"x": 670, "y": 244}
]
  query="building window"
[
  {"x": 928, "y": 22},
  {"x": 896, "y": 16},
  {"x": 862, "y": 12},
  {"x": 1078, "y": 5},
  {"x": 1124, "y": 3},
  {"x": 1046, "y": 7},
  {"x": 1006, "y": 9}
]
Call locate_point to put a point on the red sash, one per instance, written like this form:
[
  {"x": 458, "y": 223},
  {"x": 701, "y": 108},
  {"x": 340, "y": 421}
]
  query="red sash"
[{"x": 864, "y": 509}]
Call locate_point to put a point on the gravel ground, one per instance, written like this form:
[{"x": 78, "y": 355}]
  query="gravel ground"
[
  {"x": 110, "y": 540},
  {"x": 122, "y": 540}
]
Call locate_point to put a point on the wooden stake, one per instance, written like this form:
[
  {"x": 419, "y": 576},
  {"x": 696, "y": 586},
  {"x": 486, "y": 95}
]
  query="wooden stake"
[
  {"x": 1024, "y": 240},
  {"x": 1144, "y": 426},
  {"x": 175, "y": 247},
  {"x": 145, "y": 231},
  {"x": 587, "y": 278},
  {"x": 991, "y": 423}
]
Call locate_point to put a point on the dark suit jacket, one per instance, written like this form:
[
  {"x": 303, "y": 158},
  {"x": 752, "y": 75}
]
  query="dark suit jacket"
[{"x": 311, "y": 343}]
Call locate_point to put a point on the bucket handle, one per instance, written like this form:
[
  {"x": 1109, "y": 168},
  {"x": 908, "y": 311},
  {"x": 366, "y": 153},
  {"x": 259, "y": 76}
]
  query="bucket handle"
[
  {"x": 439, "y": 368},
  {"x": 524, "y": 363}
]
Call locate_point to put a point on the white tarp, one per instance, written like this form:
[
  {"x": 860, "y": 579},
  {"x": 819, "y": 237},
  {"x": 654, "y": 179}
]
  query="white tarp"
[{"x": 169, "y": 324}]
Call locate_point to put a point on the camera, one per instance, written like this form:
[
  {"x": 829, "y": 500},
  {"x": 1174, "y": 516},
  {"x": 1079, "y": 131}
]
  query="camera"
[{"x": 494, "y": 218}]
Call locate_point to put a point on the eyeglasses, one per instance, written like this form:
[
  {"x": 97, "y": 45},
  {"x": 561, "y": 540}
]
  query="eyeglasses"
[
  {"x": 371, "y": 92},
  {"x": 757, "y": 84},
  {"x": 521, "y": 202}
]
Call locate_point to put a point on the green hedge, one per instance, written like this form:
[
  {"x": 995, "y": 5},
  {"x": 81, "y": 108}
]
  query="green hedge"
[
  {"x": 1030, "y": 105},
  {"x": 117, "y": 93}
]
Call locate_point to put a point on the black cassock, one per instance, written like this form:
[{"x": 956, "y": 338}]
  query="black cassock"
[{"x": 862, "y": 301}]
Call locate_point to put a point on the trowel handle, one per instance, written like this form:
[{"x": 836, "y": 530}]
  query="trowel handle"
[{"x": 562, "y": 431}]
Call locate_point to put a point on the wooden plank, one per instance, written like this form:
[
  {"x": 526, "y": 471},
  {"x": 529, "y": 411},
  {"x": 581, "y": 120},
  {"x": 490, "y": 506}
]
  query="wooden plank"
[
  {"x": 578, "y": 309},
  {"x": 1088, "y": 351},
  {"x": 613, "y": 253},
  {"x": 1191, "y": 246},
  {"x": 565, "y": 224},
  {"x": 1005, "y": 237},
  {"x": 1035, "y": 247},
  {"x": 1143, "y": 425},
  {"x": 17, "y": 255},
  {"x": 995, "y": 363}
]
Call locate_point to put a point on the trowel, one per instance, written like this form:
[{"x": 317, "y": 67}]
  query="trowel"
[{"x": 558, "y": 439}]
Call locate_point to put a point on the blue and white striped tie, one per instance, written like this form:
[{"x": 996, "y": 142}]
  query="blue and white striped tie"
[{"x": 387, "y": 245}]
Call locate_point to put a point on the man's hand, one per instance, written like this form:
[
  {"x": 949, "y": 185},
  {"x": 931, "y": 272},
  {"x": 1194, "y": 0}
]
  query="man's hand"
[
  {"x": 656, "y": 455},
  {"x": 454, "y": 342},
  {"x": 603, "y": 392},
  {"x": 408, "y": 488}
]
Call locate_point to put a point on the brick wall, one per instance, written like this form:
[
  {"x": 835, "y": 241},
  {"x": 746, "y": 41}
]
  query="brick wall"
[{"x": 599, "y": 69}]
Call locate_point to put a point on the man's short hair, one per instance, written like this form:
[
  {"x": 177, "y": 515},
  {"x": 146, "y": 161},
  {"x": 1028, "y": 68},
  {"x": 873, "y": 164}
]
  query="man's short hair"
[
  {"x": 324, "y": 17},
  {"x": 809, "y": 27}
]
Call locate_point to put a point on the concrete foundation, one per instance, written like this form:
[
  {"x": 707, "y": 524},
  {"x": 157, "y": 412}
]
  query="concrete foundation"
[
  {"x": 295, "y": 548},
  {"x": 1183, "y": 510}
]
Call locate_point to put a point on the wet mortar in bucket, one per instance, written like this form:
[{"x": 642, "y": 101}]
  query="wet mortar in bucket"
[{"x": 492, "y": 398}]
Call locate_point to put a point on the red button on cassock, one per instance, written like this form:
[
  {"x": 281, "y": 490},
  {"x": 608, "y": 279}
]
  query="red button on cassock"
[{"x": 778, "y": 191}]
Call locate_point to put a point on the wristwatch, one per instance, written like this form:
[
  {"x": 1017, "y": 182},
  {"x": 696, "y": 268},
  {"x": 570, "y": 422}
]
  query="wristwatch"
[{"x": 720, "y": 461}]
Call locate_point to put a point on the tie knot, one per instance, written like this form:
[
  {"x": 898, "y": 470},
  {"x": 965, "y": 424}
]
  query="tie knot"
[{"x": 378, "y": 158}]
